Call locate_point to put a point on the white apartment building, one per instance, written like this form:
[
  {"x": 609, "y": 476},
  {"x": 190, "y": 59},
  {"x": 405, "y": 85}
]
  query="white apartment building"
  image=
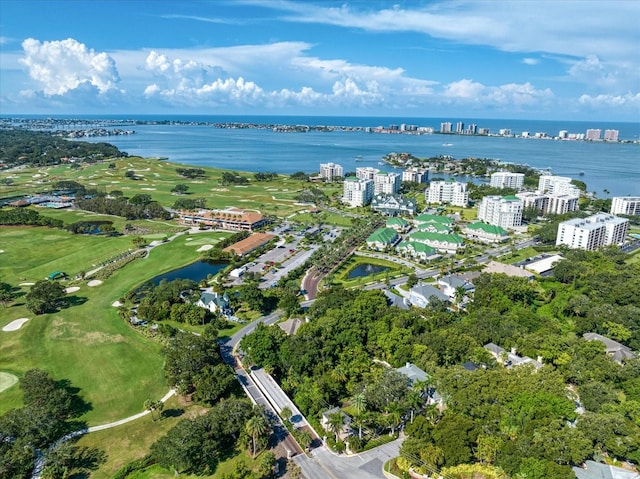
[
  {"x": 366, "y": 172},
  {"x": 592, "y": 232},
  {"x": 447, "y": 192},
  {"x": 506, "y": 179},
  {"x": 417, "y": 175},
  {"x": 445, "y": 127},
  {"x": 388, "y": 183},
  {"x": 330, "y": 171},
  {"x": 559, "y": 204},
  {"x": 357, "y": 191},
  {"x": 557, "y": 185},
  {"x": 554, "y": 204},
  {"x": 625, "y": 205},
  {"x": 503, "y": 211}
]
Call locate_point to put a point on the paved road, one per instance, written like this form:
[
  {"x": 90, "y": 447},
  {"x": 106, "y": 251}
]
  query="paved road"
[{"x": 323, "y": 464}]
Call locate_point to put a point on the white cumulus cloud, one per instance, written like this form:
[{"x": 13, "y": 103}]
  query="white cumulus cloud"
[
  {"x": 514, "y": 94},
  {"x": 63, "y": 65}
]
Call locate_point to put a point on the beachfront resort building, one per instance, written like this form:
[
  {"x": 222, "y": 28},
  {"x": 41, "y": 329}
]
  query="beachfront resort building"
[
  {"x": 625, "y": 205},
  {"x": 485, "y": 233},
  {"x": 416, "y": 175},
  {"x": 549, "y": 203},
  {"x": 447, "y": 192},
  {"x": 357, "y": 192},
  {"x": 503, "y": 211},
  {"x": 593, "y": 232},
  {"x": 330, "y": 171},
  {"x": 506, "y": 179}
]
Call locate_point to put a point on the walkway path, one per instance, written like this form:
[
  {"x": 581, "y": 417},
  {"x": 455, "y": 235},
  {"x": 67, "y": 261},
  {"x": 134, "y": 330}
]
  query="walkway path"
[{"x": 41, "y": 458}]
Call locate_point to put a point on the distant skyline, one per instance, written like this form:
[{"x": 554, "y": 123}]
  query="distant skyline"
[{"x": 546, "y": 60}]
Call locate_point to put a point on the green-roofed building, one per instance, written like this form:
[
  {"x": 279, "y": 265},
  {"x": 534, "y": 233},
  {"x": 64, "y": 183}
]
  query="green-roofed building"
[
  {"x": 417, "y": 250},
  {"x": 398, "y": 224},
  {"x": 485, "y": 233},
  {"x": 448, "y": 243},
  {"x": 426, "y": 218},
  {"x": 381, "y": 238},
  {"x": 434, "y": 228}
]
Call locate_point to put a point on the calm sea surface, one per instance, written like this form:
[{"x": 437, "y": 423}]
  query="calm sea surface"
[{"x": 605, "y": 166}]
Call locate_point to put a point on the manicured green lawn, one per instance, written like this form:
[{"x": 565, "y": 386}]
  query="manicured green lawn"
[
  {"x": 32, "y": 253},
  {"x": 394, "y": 270},
  {"x": 115, "y": 367}
]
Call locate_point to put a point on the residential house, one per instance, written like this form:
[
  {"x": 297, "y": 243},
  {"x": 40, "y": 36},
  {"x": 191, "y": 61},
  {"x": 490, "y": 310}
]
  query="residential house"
[
  {"x": 449, "y": 285},
  {"x": 428, "y": 218},
  {"x": 414, "y": 373},
  {"x": 291, "y": 326},
  {"x": 417, "y": 250},
  {"x": 447, "y": 243},
  {"x": 619, "y": 352},
  {"x": 509, "y": 270},
  {"x": 346, "y": 422},
  {"x": 434, "y": 228},
  {"x": 511, "y": 358},
  {"x": 393, "y": 204},
  {"x": 399, "y": 224},
  {"x": 485, "y": 233},
  {"x": 214, "y": 302},
  {"x": 596, "y": 470},
  {"x": 422, "y": 294},
  {"x": 381, "y": 238}
]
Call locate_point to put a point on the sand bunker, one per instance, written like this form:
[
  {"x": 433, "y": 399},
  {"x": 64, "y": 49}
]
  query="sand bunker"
[
  {"x": 71, "y": 289},
  {"x": 189, "y": 239},
  {"x": 15, "y": 325},
  {"x": 116, "y": 304},
  {"x": 7, "y": 380},
  {"x": 204, "y": 247},
  {"x": 148, "y": 189},
  {"x": 26, "y": 284},
  {"x": 94, "y": 282},
  {"x": 1, "y": 251}
]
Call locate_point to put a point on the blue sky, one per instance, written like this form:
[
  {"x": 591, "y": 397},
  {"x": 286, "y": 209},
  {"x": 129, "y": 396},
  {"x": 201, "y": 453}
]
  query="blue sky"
[{"x": 555, "y": 60}]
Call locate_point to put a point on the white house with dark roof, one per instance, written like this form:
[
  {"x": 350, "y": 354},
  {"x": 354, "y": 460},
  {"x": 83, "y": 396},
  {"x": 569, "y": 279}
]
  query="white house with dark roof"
[
  {"x": 619, "y": 352},
  {"x": 214, "y": 302},
  {"x": 450, "y": 283},
  {"x": 393, "y": 204},
  {"x": 423, "y": 294}
]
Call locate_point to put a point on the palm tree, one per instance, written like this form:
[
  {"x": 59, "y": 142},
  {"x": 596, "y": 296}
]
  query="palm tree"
[
  {"x": 460, "y": 294},
  {"x": 335, "y": 423},
  {"x": 255, "y": 427},
  {"x": 149, "y": 405},
  {"x": 394, "y": 417},
  {"x": 305, "y": 438},
  {"x": 159, "y": 406},
  {"x": 360, "y": 405}
]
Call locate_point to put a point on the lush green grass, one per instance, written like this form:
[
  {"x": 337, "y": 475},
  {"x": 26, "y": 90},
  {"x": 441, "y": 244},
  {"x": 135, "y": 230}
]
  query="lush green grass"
[
  {"x": 115, "y": 367},
  {"x": 131, "y": 441},
  {"x": 156, "y": 178},
  {"x": 324, "y": 217},
  {"x": 32, "y": 253}
]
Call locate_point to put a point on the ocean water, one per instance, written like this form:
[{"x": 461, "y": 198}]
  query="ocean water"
[{"x": 614, "y": 167}]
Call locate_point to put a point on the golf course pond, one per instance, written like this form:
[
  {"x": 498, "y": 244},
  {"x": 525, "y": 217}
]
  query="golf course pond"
[
  {"x": 366, "y": 269},
  {"x": 195, "y": 271}
]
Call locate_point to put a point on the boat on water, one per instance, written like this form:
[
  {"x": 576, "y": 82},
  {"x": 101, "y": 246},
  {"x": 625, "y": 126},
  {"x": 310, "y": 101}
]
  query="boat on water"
[
  {"x": 581, "y": 173},
  {"x": 447, "y": 144}
]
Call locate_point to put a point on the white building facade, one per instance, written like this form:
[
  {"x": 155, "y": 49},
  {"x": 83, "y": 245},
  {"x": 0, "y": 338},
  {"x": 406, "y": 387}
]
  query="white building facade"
[
  {"x": 388, "y": 183},
  {"x": 625, "y": 205},
  {"x": 330, "y": 171},
  {"x": 506, "y": 179},
  {"x": 503, "y": 211},
  {"x": 560, "y": 185},
  {"x": 366, "y": 172},
  {"x": 447, "y": 192},
  {"x": 417, "y": 175},
  {"x": 592, "y": 232},
  {"x": 357, "y": 192}
]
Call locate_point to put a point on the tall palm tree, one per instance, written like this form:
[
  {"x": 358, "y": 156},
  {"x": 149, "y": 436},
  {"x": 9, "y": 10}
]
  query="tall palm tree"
[
  {"x": 335, "y": 423},
  {"x": 256, "y": 427},
  {"x": 360, "y": 405}
]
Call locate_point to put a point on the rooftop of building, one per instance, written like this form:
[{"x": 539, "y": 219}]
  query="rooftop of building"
[
  {"x": 441, "y": 237},
  {"x": 382, "y": 235},
  {"x": 487, "y": 228}
]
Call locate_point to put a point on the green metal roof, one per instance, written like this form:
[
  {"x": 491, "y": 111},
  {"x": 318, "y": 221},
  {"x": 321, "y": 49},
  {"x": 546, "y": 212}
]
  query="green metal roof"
[
  {"x": 382, "y": 235},
  {"x": 397, "y": 221},
  {"x": 433, "y": 219},
  {"x": 439, "y": 227},
  {"x": 440, "y": 237},
  {"x": 417, "y": 247},
  {"x": 490, "y": 229},
  {"x": 511, "y": 198}
]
